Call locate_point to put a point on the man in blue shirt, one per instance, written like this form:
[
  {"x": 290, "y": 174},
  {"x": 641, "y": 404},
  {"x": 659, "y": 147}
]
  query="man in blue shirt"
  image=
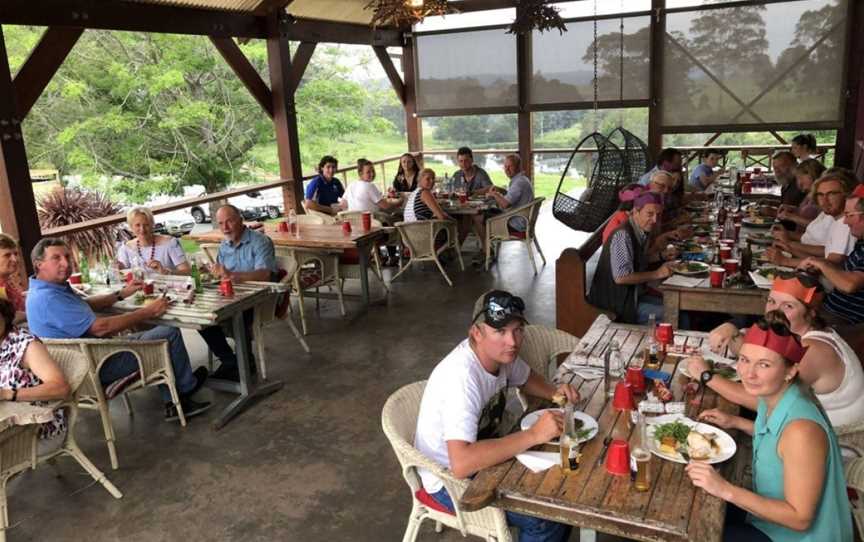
[
  {"x": 245, "y": 255},
  {"x": 703, "y": 175},
  {"x": 55, "y": 311},
  {"x": 324, "y": 190}
]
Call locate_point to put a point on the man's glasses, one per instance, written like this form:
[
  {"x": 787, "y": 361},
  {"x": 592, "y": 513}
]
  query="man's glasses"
[{"x": 833, "y": 194}]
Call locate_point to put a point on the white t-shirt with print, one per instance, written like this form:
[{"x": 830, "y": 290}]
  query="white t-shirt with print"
[
  {"x": 462, "y": 401},
  {"x": 362, "y": 196}
]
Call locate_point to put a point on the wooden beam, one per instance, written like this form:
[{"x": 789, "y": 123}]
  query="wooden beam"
[
  {"x": 849, "y": 151},
  {"x": 299, "y": 63},
  {"x": 44, "y": 61},
  {"x": 245, "y": 71},
  {"x": 18, "y": 216},
  {"x": 266, "y": 7},
  {"x": 525, "y": 117},
  {"x": 329, "y": 32},
  {"x": 413, "y": 123},
  {"x": 285, "y": 120},
  {"x": 132, "y": 16},
  {"x": 655, "y": 78},
  {"x": 390, "y": 70}
]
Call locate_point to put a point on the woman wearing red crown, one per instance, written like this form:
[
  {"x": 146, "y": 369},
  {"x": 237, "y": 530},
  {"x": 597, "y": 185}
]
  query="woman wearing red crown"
[
  {"x": 830, "y": 366},
  {"x": 799, "y": 490}
]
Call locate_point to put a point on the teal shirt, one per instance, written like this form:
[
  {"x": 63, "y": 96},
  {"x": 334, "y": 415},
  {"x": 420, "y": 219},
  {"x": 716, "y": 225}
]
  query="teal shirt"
[{"x": 833, "y": 520}]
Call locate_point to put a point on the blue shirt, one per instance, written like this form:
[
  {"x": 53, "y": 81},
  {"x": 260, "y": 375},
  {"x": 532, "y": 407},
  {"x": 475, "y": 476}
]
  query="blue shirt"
[
  {"x": 849, "y": 306},
  {"x": 323, "y": 192},
  {"x": 54, "y": 311},
  {"x": 697, "y": 173},
  {"x": 253, "y": 252}
]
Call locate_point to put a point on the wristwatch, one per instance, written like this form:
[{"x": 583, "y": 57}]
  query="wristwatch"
[
  {"x": 706, "y": 376},
  {"x": 119, "y": 295}
]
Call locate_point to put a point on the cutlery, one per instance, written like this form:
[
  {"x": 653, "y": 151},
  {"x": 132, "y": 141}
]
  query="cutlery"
[
  {"x": 683, "y": 451},
  {"x": 606, "y": 442}
]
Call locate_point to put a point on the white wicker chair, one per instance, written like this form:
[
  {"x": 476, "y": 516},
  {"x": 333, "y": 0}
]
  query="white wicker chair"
[
  {"x": 352, "y": 270},
  {"x": 854, "y": 470},
  {"x": 851, "y": 437},
  {"x": 540, "y": 348},
  {"x": 419, "y": 237},
  {"x": 497, "y": 231},
  {"x": 399, "y": 420},
  {"x": 154, "y": 364},
  {"x": 312, "y": 270},
  {"x": 17, "y": 454}
]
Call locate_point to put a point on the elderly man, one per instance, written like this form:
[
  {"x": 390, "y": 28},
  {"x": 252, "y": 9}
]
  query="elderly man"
[
  {"x": 828, "y": 235},
  {"x": 8, "y": 275},
  {"x": 782, "y": 163},
  {"x": 471, "y": 178},
  {"x": 244, "y": 255},
  {"x": 623, "y": 269},
  {"x": 463, "y": 404},
  {"x": 55, "y": 311}
]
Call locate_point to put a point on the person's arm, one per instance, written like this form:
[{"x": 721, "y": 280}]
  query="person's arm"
[
  {"x": 105, "y": 326},
  {"x": 802, "y": 250},
  {"x": 102, "y": 302},
  {"x": 848, "y": 282},
  {"x": 731, "y": 391},
  {"x": 499, "y": 199},
  {"x": 536, "y": 386},
  {"x": 432, "y": 203},
  {"x": 315, "y": 206},
  {"x": 54, "y": 385}
]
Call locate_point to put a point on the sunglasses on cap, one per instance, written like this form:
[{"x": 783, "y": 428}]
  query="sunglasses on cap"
[
  {"x": 776, "y": 327},
  {"x": 499, "y": 309},
  {"x": 806, "y": 279}
]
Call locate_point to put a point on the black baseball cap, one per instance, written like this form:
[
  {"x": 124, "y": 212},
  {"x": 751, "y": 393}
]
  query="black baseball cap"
[{"x": 497, "y": 308}]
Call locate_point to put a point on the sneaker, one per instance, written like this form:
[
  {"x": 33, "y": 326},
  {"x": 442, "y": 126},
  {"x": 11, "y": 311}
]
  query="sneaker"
[
  {"x": 200, "y": 374},
  {"x": 226, "y": 372},
  {"x": 190, "y": 409}
]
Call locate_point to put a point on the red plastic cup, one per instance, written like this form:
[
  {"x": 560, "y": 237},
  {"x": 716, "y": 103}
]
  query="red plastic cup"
[
  {"x": 463, "y": 199},
  {"x": 747, "y": 187},
  {"x": 618, "y": 458},
  {"x": 717, "y": 274},
  {"x": 226, "y": 288},
  {"x": 636, "y": 379},
  {"x": 623, "y": 398},
  {"x": 130, "y": 277},
  {"x": 367, "y": 221},
  {"x": 730, "y": 242},
  {"x": 757, "y": 170},
  {"x": 292, "y": 228},
  {"x": 149, "y": 288},
  {"x": 346, "y": 227},
  {"x": 283, "y": 227},
  {"x": 725, "y": 252},
  {"x": 731, "y": 266},
  {"x": 664, "y": 334},
  {"x": 75, "y": 278}
]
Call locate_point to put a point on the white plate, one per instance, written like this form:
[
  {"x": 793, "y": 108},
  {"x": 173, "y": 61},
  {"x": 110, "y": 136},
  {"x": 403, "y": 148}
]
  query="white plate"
[
  {"x": 703, "y": 268},
  {"x": 129, "y": 302},
  {"x": 726, "y": 443},
  {"x": 587, "y": 422}
]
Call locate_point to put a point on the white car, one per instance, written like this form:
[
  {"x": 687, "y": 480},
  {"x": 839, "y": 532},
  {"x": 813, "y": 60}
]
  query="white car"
[{"x": 254, "y": 206}]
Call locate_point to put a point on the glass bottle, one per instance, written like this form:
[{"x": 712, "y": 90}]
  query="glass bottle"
[
  {"x": 569, "y": 442},
  {"x": 640, "y": 457},
  {"x": 196, "y": 276}
]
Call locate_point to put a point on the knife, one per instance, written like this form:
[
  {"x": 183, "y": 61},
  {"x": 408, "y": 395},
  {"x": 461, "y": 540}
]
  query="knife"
[{"x": 606, "y": 442}]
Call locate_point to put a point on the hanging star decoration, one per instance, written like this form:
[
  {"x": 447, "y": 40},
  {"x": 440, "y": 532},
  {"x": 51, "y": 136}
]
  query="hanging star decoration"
[
  {"x": 536, "y": 14},
  {"x": 404, "y": 13}
]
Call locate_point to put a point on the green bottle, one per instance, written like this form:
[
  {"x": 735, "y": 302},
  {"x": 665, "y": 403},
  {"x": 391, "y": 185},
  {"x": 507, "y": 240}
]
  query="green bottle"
[
  {"x": 196, "y": 276},
  {"x": 83, "y": 267}
]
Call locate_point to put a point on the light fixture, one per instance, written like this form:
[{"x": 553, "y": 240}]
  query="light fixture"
[
  {"x": 416, "y": 4},
  {"x": 404, "y": 13}
]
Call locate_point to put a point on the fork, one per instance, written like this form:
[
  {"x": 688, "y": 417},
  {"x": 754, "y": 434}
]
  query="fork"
[{"x": 683, "y": 451}]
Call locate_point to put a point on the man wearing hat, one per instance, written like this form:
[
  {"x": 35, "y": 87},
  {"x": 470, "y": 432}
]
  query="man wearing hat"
[
  {"x": 622, "y": 272},
  {"x": 463, "y": 405}
]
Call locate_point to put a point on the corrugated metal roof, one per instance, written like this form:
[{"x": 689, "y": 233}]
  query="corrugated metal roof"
[
  {"x": 343, "y": 11},
  {"x": 223, "y": 5}
]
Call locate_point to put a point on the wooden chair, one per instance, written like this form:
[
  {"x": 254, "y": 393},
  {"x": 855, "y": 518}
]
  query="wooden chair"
[
  {"x": 399, "y": 420},
  {"x": 498, "y": 232},
  {"x": 420, "y": 236},
  {"x": 154, "y": 366}
]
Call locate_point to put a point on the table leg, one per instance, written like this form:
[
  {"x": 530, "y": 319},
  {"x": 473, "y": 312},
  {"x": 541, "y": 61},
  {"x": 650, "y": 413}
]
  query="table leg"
[
  {"x": 671, "y": 307},
  {"x": 363, "y": 250},
  {"x": 248, "y": 392}
]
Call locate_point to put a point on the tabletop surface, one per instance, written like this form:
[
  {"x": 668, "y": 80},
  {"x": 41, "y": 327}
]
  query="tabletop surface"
[
  {"x": 311, "y": 236},
  {"x": 673, "y": 509}
]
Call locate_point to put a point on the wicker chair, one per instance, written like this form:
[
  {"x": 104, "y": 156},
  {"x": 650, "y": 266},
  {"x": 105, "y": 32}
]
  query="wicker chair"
[
  {"x": 851, "y": 437},
  {"x": 498, "y": 232},
  {"x": 312, "y": 269},
  {"x": 540, "y": 348},
  {"x": 154, "y": 365},
  {"x": 419, "y": 237},
  {"x": 399, "y": 420},
  {"x": 17, "y": 454},
  {"x": 854, "y": 470},
  {"x": 350, "y": 270}
]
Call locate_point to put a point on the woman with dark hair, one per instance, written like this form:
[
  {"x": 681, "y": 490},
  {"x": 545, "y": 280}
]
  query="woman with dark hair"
[
  {"x": 799, "y": 490},
  {"x": 27, "y": 372},
  {"x": 324, "y": 190},
  {"x": 804, "y": 147},
  {"x": 806, "y": 172},
  {"x": 408, "y": 174},
  {"x": 830, "y": 366}
]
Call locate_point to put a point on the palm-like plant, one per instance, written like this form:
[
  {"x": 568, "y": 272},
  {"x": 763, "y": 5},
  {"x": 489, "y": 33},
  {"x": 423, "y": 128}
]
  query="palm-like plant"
[{"x": 64, "y": 206}]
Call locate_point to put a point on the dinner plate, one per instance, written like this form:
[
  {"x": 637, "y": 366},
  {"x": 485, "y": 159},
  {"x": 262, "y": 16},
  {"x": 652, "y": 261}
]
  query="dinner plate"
[
  {"x": 129, "y": 302},
  {"x": 725, "y": 442},
  {"x": 760, "y": 223},
  {"x": 760, "y": 238},
  {"x": 683, "y": 370},
  {"x": 587, "y": 422},
  {"x": 702, "y": 268}
]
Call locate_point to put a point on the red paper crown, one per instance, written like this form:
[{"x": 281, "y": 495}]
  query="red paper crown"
[
  {"x": 858, "y": 192},
  {"x": 793, "y": 287},
  {"x": 789, "y": 346}
]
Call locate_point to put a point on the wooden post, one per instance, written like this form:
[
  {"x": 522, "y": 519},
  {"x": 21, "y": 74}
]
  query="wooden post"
[
  {"x": 413, "y": 123},
  {"x": 18, "y": 215},
  {"x": 849, "y": 150},
  {"x": 284, "y": 114},
  {"x": 525, "y": 116},
  {"x": 658, "y": 31}
]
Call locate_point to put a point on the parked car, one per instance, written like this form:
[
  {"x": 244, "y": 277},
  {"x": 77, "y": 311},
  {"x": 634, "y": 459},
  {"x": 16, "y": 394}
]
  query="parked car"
[{"x": 253, "y": 206}]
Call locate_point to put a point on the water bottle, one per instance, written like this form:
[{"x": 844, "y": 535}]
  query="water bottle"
[
  {"x": 729, "y": 227},
  {"x": 83, "y": 267}
]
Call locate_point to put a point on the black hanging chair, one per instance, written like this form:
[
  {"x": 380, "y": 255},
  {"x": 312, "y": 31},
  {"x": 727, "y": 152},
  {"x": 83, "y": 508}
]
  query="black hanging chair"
[
  {"x": 636, "y": 161},
  {"x": 601, "y": 197}
]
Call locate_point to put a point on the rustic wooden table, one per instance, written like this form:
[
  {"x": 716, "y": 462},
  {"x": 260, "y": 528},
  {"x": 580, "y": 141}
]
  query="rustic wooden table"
[
  {"x": 211, "y": 309},
  {"x": 328, "y": 237},
  {"x": 590, "y": 498}
]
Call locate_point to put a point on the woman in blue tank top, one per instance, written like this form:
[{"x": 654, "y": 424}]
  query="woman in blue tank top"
[{"x": 799, "y": 490}]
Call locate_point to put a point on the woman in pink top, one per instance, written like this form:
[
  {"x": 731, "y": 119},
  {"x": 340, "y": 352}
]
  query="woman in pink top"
[{"x": 626, "y": 196}]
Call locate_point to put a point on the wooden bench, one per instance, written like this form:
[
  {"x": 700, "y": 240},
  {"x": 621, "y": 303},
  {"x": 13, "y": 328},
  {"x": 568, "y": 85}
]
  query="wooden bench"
[{"x": 573, "y": 312}]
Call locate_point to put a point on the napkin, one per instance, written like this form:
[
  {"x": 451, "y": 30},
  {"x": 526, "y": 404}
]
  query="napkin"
[
  {"x": 689, "y": 282},
  {"x": 539, "y": 461}
]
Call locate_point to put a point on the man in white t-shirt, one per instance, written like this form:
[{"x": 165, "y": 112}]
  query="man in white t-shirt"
[
  {"x": 363, "y": 195},
  {"x": 464, "y": 401},
  {"x": 827, "y": 236}
]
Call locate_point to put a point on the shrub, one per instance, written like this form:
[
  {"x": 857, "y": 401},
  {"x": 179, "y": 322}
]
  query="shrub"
[{"x": 64, "y": 206}]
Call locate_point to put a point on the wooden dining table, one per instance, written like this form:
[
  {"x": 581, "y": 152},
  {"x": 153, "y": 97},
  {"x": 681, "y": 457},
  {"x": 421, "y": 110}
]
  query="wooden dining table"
[
  {"x": 673, "y": 509},
  {"x": 208, "y": 309},
  {"x": 326, "y": 237}
]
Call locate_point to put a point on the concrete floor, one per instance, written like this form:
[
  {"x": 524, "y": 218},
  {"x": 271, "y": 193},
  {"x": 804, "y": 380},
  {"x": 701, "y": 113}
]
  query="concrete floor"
[{"x": 308, "y": 463}]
